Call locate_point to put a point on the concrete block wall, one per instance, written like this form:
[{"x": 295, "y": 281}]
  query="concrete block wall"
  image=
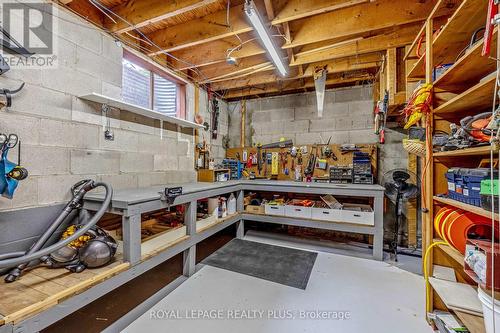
[
  {"x": 62, "y": 136},
  {"x": 217, "y": 150},
  {"x": 347, "y": 118}
]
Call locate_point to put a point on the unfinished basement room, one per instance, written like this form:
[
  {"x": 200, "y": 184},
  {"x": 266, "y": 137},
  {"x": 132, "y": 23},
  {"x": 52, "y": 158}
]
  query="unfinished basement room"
[{"x": 249, "y": 166}]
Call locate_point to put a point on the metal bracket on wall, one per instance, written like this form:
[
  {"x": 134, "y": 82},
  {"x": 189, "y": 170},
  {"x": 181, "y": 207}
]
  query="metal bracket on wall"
[{"x": 108, "y": 133}]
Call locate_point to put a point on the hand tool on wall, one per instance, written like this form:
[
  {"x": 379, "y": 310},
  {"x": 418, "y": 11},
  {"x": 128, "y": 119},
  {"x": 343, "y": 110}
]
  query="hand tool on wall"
[
  {"x": 6, "y": 95},
  {"x": 279, "y": 144},
  {"x": 381, "y": 117},
  {"x": 319, "y": 76},
  {"x": 309, "y": 171},
  {"x": 274, "y": 163},
  {"x": 215, "y": 111},
  {"x": 11, "y": 173},
  {"x": 259, "y": 158}
]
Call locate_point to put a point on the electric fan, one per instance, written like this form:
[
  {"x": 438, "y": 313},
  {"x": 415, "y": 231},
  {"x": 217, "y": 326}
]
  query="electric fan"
[{"x": 400, "y": 185}]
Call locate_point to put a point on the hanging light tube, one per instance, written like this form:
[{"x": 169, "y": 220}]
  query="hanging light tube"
[{"x": 253, "y": 14}]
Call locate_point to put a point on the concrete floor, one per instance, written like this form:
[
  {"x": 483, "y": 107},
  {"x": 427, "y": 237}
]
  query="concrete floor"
[{"x": 372, "y": 297}]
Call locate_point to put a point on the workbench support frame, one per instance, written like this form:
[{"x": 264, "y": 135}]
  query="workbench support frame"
[
  {"x": 131, "y": 223},
  {"x": 189, "y": 255},
  {"x": 132, "y": 238},
  {"x": 240, "y": 225}
]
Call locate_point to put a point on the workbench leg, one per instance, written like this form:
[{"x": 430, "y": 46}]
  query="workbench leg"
[
  {"x": 189, "y": 255},
  {"x": 189, "y": 261},
  {"x": 132, "y": 238},
  {"x": 378, "y": 236},
  {"x": 240, "y": 225},
  {"x": 240, "y": 229}
]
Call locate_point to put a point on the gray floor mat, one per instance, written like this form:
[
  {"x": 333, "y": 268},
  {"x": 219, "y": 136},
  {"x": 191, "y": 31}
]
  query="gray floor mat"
[{"x": 283, "y": 265}]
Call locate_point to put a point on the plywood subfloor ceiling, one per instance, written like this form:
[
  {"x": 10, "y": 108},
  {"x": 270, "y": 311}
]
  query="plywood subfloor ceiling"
[{"x": 193, "y": 38}]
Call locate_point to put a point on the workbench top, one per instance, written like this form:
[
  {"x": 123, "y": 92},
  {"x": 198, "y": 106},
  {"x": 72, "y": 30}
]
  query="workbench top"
[{"x": 132, "y": 196}]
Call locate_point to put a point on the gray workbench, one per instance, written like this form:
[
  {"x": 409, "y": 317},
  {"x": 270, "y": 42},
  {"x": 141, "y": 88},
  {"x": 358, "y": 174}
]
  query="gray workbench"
[{"x": 131, "y": 203}]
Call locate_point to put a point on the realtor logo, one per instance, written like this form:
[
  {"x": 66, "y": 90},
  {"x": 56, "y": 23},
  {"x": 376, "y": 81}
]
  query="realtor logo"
[{"x": 28, "y": 34}]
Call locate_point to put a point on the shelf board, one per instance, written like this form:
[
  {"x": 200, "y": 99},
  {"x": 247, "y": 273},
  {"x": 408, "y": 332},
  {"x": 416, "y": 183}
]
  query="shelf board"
[
  {"x": 475, "y": 99},
  {"x": 454, "y": 36},
  {"x": 451, "y": 252},
  {"x": 457, "y": 296},
  {"x": 475, "y": 324},
  {"x": 466, "y": 207},
  {"x": 469, "y": 69},
  {"x": 116, "y": 103},
  {"x": 474, "y": 151}
]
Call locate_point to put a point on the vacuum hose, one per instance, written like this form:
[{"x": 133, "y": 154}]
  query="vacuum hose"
[{"x": 17, "y": 258}]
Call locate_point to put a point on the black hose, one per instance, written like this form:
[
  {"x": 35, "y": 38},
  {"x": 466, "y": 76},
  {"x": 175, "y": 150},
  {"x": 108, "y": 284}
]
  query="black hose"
[{"x": 11, "y": 262}]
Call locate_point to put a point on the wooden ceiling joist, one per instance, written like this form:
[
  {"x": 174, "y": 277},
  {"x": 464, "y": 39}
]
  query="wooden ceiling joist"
[
  {"x": 214, "y": 27},
  {"x": 366, "y": 61},
  {"x": 145, "y": 12},
  {"x": 291, "y": 86},
  {"x": 402, "y": 35},
  {"x": 376, "y": 15},
  {"x": 346, "y": 36}
]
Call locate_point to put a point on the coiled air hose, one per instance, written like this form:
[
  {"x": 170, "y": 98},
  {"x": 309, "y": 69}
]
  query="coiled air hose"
[{"x": 15, "y": 258}]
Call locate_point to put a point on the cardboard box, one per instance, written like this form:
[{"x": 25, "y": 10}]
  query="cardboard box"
[{"x": 254, "y": 209}]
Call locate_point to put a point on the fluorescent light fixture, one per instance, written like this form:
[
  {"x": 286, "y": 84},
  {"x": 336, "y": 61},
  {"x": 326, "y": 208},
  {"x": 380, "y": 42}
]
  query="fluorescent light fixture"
[{"x": 253, "y": 14}]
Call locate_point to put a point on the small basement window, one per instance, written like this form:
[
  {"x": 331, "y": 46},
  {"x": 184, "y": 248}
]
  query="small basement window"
[{"x": 148, "y": 87}]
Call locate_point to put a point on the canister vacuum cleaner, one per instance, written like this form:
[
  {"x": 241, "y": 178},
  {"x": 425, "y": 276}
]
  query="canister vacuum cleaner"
[{"x": 81, "y": 245}]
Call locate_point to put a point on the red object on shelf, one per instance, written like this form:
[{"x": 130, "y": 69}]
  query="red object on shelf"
[
  {"x": 485, "y": 247},
  {"x": 488, "y": 33},
  {"x": 455, "y": 226}
]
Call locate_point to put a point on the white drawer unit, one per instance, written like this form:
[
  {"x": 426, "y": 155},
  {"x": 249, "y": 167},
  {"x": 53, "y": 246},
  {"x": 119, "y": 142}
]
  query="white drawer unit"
[
  {"x": 298, "y": 211},
  {"x": 357, "y": 214},
  {"x": 274, "y": 210},
  {"x": 326, "y": 214}
]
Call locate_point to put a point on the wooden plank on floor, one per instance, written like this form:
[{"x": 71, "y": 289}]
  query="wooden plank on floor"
[
  {"x": 16, "y": 296},
  {"x": 21, "y": 301}
]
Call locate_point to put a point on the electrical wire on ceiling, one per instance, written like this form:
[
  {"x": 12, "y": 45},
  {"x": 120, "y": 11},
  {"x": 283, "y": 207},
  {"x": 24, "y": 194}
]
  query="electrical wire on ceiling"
[
  {"x": 105, "y": 10},
  {"x": 146, "y": 39},
  {"x": 133, "y": 46}
]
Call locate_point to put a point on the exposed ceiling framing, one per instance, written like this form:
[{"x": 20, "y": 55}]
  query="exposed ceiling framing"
[{"x": 194, "y": 37}]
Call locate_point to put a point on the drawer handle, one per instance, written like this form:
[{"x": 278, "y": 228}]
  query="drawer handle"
[
  {"x": 326, "y": 213},
  {"x": 298, "y": 209},
  {"x": 357, "y": 215},
  {"x": 274, "y": 207}
]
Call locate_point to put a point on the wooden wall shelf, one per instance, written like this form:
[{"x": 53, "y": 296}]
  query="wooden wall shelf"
[
  {"x": 454, "y": 35},
  {"x": 475, "y": 99},
  {"x": 451, "y": 252},
  {"x": 475, "y": 151},
  {"x": 468, "y": 70},
  {"x": 466, "y": 207}
]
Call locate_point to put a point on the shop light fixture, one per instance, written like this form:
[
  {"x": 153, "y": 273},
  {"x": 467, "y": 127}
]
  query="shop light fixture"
[{"x": 265, "y": 36}]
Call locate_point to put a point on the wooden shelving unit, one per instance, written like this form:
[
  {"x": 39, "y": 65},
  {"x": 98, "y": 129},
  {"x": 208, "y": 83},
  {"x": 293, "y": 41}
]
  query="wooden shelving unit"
[
  {"x": 463, "y": 206},
  {"x": 468, "y": 70},
  {"x": 474, "y": 151},
  {"x": 451, "y": 252},
  {"x": 474, "y": 99},
  {"x": 465, "y": 88},
  {"x": 454, "y": 36}
]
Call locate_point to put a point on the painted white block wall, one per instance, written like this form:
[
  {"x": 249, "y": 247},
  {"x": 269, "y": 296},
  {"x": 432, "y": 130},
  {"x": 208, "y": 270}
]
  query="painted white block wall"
[{"x": 62, "y": 136}]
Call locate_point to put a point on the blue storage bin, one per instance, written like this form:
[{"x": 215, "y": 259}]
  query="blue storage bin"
[{"x": 464, "y": 184}]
